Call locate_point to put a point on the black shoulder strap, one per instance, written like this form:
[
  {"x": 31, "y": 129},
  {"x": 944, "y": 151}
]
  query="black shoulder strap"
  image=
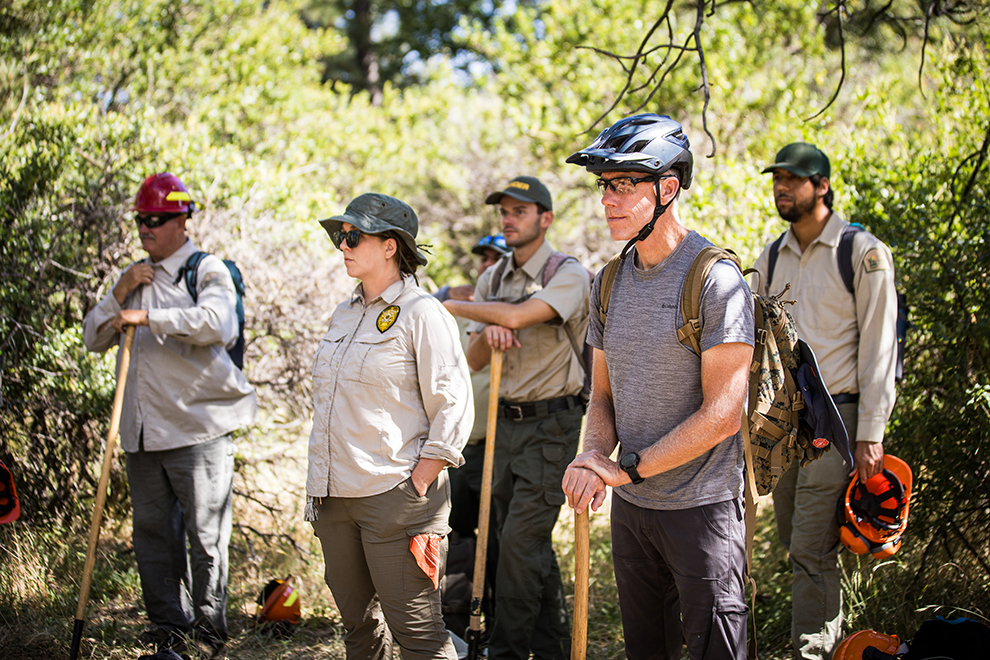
[
  {"x": 844, "y": 255},
  {"x": 190, "y": 272},
  {"x": 774, "y": 253}
]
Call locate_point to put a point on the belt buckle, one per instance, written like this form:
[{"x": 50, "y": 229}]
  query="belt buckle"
[{"x": 515, "y": 413}]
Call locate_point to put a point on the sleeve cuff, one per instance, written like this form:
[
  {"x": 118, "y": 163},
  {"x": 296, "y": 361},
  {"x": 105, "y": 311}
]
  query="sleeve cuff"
[{"x": 870, "y": 430}]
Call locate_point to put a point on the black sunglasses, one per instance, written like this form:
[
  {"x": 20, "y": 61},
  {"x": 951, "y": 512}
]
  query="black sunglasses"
[
  {"x": 152, "y": 221},
  {"x": 353, "y": 237}
]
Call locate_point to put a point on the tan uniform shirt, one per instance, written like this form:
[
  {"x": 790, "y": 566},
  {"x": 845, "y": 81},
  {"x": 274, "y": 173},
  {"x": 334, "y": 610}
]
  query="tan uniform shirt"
[
  {"x": 854, "y": 338},
  {"x": 182, "y": 387},
  {"x": 390, "y": 385},
  {"x": 546, "y": 365}
]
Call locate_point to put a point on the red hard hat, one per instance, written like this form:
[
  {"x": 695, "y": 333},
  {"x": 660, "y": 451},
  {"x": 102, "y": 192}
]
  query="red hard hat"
[{"x": 163, "y": 193}]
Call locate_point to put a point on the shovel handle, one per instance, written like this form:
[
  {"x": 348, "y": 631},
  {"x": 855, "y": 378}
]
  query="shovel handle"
[
  {"x": 582, "y": 561},
  {"x": 101, "y": 492},
  {"x": 484, "y": 509}
]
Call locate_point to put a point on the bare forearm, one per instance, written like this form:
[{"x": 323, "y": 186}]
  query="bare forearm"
[
  {"x": 508, "y": 315},
  {"x": 690, "y": 439},
  {"x": 599, "y": 433}
]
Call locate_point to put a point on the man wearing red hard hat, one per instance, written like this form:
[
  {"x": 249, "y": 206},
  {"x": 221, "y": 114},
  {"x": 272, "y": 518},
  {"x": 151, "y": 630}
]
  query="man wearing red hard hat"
[{"x": 183, "y": 399}]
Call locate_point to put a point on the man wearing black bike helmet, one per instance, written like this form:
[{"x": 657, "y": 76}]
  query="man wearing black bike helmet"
[{"x": 677, "y": 526}]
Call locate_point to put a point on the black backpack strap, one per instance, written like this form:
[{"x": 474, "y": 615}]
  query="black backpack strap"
[
  {"x": 190, "y": 273},
  {"x": 774, "y": 253},
  {"x": 844, "y": 255}
]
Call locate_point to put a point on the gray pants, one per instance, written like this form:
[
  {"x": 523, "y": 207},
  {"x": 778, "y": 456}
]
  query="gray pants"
[
  {"x": 179, "y": 496},
  {"x": 804, "y": 503},
  {"x": 374, "y": 578},
  {"x": 679, "y": 574}
]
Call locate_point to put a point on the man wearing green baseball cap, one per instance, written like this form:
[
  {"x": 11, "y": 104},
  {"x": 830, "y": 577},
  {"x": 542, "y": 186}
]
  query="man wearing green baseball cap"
[
  {"x": 533, "y": 305},
  {"x": 842, "y": 278}
]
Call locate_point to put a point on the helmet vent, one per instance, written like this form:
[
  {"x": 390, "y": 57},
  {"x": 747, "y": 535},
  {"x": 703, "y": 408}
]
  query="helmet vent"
[{"x": 638, "y": 146}]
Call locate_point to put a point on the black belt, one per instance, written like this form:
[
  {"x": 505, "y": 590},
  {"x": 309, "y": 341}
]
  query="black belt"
[
  {"x": 839, "y": 399},
  {"x": 521, "y": 411}
]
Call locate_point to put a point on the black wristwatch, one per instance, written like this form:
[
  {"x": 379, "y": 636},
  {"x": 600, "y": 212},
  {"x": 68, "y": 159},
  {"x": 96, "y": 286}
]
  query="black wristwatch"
[{"x": 629, "y": 462}]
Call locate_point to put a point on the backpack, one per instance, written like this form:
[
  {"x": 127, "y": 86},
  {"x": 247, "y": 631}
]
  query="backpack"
[
  {"x": 582, "y": 349},
  {"x": 846, "y": 270},
  {"x": 952, "y": 639},
  {"x": 190, "y": 272}
]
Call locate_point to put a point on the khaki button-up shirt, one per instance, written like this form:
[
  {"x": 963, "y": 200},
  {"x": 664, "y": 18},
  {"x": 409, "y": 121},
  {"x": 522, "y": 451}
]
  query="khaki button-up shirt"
[
  {"x": 546, "y": 365},
  {"x": 854, "y": 337},
  {"x": 182, "y": 388},
  {"x": 390, "y": 386}
]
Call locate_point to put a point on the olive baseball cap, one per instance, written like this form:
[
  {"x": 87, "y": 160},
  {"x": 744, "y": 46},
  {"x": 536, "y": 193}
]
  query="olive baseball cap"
[
  {"x": 375, "y": 213},
  {"x": 526, "y": 189},
  {"x": 802, "y": 159}
]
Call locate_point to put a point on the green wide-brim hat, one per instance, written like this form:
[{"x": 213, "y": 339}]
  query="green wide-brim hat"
[{"x": 375, "y": 213}]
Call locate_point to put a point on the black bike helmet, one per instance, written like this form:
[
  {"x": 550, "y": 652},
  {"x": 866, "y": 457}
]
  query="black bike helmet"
[
  {"x": 649, "y": 143},
  {"x": 641, "y": 143}
]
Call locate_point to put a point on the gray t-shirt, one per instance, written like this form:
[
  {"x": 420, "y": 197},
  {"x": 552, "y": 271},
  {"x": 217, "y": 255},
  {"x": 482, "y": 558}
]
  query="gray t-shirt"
[{"x": 656, "y": 380}]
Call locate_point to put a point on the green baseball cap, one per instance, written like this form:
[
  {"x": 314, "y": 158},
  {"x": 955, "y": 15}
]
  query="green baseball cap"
[
  {"x": 802, "y": 159},
  {"x": 526, "y": 189},
  {"x": 375, "y": 213}
]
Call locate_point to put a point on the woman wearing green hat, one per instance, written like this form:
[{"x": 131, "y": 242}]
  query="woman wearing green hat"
[{"x": 392, "y": 409}]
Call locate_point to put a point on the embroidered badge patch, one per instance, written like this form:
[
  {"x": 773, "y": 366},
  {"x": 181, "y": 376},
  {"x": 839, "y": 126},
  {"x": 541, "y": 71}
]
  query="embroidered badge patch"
[
  {"x": 387, "y": 318},
  {"x": 212, "y": 279},
  {"x": 874, "y": 261},
  {"x": 820, "y": 443}
]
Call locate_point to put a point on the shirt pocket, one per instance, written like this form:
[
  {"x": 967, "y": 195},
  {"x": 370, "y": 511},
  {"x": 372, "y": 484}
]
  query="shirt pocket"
[
  {"x": 328, "y": 355},
  {"x": 381, "y": 361}
]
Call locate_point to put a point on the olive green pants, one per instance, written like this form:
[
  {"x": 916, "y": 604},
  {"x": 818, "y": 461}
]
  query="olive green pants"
[
  {"x": 530, "y": 458},
  {"x": 376, "y": 583},
  {"x": 804, "y": 504}
]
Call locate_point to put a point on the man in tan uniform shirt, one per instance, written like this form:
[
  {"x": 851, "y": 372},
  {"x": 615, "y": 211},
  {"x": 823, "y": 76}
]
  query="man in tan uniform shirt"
[
  {"x": 854, "y": 338},
  {"x": 540, "y": 413}
]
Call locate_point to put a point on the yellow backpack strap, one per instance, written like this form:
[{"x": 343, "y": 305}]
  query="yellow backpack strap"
[
  {"x": 689, "y": 334},
  {"x": 608, "y": 279}
]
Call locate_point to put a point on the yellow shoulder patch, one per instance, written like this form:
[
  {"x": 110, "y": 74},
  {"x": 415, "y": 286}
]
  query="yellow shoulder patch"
[
  {"x": 875, "y": 260},
  {"x": 388, "y": 318}
]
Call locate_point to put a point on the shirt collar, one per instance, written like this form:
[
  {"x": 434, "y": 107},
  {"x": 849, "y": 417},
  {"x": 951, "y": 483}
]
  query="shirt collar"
[
  {"x": 388, "y": 296},
  {"x": 831, "y": 233},
  {"x": 534, "y": 266},
  {"x": 173, "y": 262}
]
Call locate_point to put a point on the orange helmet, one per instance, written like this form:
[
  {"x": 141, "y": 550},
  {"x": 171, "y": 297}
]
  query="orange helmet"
[
  {"x": 163, "y": 193},
  {"x": 854, "y": 646},
  {"x": 10, "y": 506},
  {"x": 873, "y": 515},
  {"x": 278, "y": 603}
]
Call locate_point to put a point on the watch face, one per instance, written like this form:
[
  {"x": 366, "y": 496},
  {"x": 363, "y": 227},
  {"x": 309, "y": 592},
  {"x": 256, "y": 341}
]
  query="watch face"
[{"x": 629, "y": 460}]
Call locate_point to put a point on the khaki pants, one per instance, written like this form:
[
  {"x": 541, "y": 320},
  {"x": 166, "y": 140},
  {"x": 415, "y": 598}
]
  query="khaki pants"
[
  {"x": 374, "y": 578},
  {"x": 804, "y": 503}
]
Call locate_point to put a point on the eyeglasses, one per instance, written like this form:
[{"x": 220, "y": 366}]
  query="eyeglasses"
[
  {"x": 623, "y": 185},
  {"x": 352, "y": 237},
  {"x": 152, "y": 221}
]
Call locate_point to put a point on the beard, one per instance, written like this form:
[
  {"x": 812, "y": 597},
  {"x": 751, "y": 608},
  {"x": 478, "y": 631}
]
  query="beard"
[{"x": 797, "y": 209}]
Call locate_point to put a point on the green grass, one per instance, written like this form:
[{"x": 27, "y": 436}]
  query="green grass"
[{"x": 40, "y": 573}]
